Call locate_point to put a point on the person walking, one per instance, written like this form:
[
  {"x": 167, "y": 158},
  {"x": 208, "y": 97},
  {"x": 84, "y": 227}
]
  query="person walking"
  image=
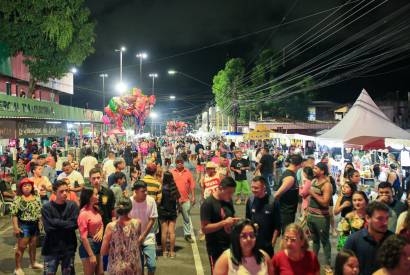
[
  {"x": 75, "y": 178},
  {"x": 144, "y": 208},
  {"x": 60, "y": 222},
  {"x": 264, "y": 211},
  {"x": 217, "y": 218},
  {"x": 121, "y": 242},
  {"x": 239, "y": 166},
  {"x": 25, "y": 212},
  {"x": 87, "y": 163},
  {"x": 265, "y": 167},
  {"x": 288, "y": 192},
  {"x": 167, "y": 214},
  {"x": 186, "y": 186},
  {"x": 318, "y": 217},
  {"x": 91, "y": 227}
]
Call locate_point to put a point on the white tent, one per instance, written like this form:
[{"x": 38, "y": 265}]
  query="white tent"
[{"x": 365, "y": 125}]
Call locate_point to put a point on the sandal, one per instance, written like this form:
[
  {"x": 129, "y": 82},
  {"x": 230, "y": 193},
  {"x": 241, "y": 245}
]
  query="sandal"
[
  {"x": 18, "y": 271},
  {"x": 165, "y": 253},
  {"x": 36, "y": 265},
  {"x": 171, "y": 255}
]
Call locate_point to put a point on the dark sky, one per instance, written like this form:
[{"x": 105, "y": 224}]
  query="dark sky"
[{"x": 178, "y": 34}]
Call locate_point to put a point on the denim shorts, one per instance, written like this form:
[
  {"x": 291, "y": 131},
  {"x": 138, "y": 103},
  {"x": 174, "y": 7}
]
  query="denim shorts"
[
  {"x": 30, "y": 229},
  {"x": 67, "y": 264},
  {"x": 148, "y": 253},
  {"x": 95, "y": 247}
]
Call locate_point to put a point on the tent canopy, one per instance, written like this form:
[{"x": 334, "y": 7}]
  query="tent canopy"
[{"x": 365, "y": 125}]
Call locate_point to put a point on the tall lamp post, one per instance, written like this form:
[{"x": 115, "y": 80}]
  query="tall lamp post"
[
  {"x": 153, "y": 76},
  {"x": 141, "y": 56},
  {"x": 74, "y": 71},
  {"x": 103, "y": 76},
  {"x": 121, "y": 50}
]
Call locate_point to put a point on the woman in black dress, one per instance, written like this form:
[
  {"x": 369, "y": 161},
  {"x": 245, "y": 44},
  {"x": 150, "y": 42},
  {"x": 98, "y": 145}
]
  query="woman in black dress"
[{"x": 167, "y": 212}]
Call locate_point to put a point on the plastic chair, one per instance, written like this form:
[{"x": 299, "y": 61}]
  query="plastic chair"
[{"x": 4, "y": 204}]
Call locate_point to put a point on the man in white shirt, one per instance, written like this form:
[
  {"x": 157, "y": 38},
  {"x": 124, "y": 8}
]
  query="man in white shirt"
[
  {"x": 144, "y": 208},
  {"x": 108, "y": 167},
  {"x": 75, "y": 178},
  {"x": 87, "y": 163}
]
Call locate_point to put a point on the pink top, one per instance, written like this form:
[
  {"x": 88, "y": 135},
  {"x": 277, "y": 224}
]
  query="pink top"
[
  {"x": 89, "y": 222},
  {"x": 304, "y": 193}
]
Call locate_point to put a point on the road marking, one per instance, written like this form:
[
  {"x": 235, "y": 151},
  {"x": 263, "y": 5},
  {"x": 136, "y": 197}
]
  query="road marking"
[
  {"x": 5, "y": 230},
  {"x": 197, "y": 258}
]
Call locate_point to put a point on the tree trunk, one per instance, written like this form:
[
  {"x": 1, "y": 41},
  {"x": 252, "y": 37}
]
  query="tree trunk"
[{"x": 31, "y": 86}]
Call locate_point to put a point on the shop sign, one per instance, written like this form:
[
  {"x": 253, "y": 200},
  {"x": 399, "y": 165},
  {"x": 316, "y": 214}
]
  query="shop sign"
[
  {"x": 15, "y": 107},
  {"x": 37, "y": 129},
  {"x": 7, "y": 129}
]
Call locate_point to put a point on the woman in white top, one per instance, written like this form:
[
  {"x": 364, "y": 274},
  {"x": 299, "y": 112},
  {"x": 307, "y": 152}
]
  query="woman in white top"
[{"x": 244, "y": 257}]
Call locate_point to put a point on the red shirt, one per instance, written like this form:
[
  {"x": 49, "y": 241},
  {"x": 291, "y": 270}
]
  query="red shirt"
[
  {"x": 308, "y": 265},
  {"x": 185, "y": 183}
]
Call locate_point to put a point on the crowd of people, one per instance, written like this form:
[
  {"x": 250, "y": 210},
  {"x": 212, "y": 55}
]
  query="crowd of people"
[{"x": 118, "y": 204}]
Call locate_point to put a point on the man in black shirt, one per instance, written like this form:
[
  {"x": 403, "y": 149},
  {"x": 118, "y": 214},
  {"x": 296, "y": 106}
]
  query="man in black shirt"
[
  {"x": 106, "y": 199},
  {"x": 239, "y": 166},
  {"x": 288, "y": 192},
  {"x": 60, "y": 222},
  {"x": 396, "y": 207},
  {"x": 265, "y": 166},
  {"x": 217, "y": 218},
  {"x": 263, "y": 210}
]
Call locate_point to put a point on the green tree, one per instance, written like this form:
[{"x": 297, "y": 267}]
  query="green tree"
[
  {"x": 226, "y": 88},
  {"x": 52, "y": 34}
]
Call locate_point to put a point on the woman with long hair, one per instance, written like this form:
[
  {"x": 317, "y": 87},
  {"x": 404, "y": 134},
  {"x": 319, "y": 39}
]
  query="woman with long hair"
[
  {"x": 294, "y": 257},
  {"x": 41, "y": 183},
  {"x": 353, "y": 176},
  {"x": 200, "y": 167},
  {"x": 244, "y": 256},
  {"x": 343, "y": 176},
  {"x": 91, "y": 229},
  {"x": 354, "y": 220},
  {"x": 121, "y": 242},
  {"x": 26, "y": 213},
  {"x": 167, "y": 213},
  {"x": 346, "y": 263}
]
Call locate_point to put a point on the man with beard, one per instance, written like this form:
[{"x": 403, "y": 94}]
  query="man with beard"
[{"x": 366, "y": 242}]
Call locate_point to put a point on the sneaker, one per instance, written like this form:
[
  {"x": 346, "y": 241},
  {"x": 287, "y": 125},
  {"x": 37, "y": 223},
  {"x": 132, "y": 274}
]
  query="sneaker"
[
  {"x": 36, "y": 266},
  {"x": 18, "y": 271},
  {"x": 188, "y": 238}
]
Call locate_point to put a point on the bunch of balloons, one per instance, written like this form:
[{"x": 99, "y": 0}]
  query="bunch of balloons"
[
  {"x": 175, "y": 128},
  {"x": 133, "y": 104}
]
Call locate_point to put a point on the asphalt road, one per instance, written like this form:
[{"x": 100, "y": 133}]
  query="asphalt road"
[{"x": 190, "y": 258}]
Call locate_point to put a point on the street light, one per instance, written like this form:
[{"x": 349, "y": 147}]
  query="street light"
[
  {"x": 153, "y": 76},
  {"x": 121, "y": 87},
  {"x": 121, "y": 50},
  {"x": 103, "y": 76},
  {"x": 153, "y": 115},
  {"x": 141, "y": 56},
  {"x": 172, "y": 97},
  {"x": 174, "y": 72},
  {"x": 74, "y": 71}
]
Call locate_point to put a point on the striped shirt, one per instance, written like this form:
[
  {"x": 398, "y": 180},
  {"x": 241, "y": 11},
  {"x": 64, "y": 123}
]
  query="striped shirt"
[{"x": 154, "y": 188}]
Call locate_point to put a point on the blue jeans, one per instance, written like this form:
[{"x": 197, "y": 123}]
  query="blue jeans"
[
  {"x": 269, "y": 182},
  {"x": 67, "y": 264},
  {"x": 148, "y": 252},
  {"x": 186, "y": 214}
]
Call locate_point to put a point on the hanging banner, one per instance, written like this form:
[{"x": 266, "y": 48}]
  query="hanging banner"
[{"x": 34, "y": 129}]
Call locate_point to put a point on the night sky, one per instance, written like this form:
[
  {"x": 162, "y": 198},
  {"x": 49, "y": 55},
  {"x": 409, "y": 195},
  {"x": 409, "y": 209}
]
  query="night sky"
[{"x": 185, "y": 35}]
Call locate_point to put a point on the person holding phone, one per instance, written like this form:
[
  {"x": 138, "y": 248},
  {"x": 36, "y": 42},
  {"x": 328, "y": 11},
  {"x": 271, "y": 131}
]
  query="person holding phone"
[{"x": 217, "y": 218}]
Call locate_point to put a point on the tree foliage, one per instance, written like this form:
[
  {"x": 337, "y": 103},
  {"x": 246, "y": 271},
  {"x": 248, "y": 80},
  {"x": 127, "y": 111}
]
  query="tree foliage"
[
  {"x": 254, "y": 102},
  {"x": 53, "y": 35}
]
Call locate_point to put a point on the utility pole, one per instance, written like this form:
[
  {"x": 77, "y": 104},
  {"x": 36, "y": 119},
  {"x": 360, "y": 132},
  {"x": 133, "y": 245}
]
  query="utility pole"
[{"x": 235, "y": 107}]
